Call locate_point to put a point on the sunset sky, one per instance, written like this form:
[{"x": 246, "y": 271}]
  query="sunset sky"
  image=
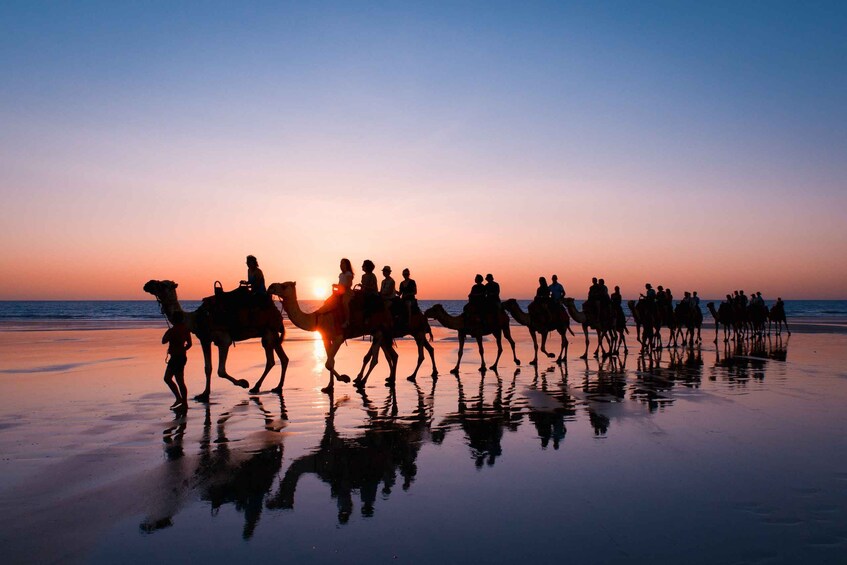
[{"x": 696, "y": 145}]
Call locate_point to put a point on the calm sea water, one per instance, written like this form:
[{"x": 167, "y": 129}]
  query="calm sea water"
[{"x": 148, "y": 310}]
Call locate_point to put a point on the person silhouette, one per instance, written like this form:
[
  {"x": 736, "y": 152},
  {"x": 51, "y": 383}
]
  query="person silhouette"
[
  {"x": 387, "y": 290},
  {"x": 590, "y": 305},
  {"x": 178, "y": 339},
  {"x": 255, "y": 280},
  {"x": 370, "y": 290},
  {"x": 492, "y": 297},
  {"x": 408, "y": 291},
  {"x": 368, "y": 283},
  {"x": 557, "y": 291},
  {"x": 344, "y": 289},
  {"x": 476, "y": 297}
]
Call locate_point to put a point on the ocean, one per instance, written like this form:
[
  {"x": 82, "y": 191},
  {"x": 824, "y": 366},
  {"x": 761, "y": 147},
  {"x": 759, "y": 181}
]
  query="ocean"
[{"x": 140, "y": 311}]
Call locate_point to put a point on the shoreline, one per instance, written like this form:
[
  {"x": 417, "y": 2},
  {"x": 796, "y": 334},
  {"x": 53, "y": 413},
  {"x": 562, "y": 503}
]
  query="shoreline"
[{"x": 806, "y": 325}]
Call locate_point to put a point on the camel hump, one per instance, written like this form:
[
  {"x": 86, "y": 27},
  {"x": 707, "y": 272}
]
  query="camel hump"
[{"x": 241, "y": 311}]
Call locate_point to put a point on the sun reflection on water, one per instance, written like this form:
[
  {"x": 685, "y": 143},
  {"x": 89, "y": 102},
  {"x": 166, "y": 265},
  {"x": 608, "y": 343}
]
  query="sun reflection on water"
[{"x": 318, "y": 353}]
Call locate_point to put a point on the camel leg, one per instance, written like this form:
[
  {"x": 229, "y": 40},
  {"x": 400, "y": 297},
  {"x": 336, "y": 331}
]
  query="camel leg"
[
  {"x": 283, "y": 361},
  {"x": 482, "y": 353},
  {"x": 585, "y": 331},
  {"x": 391, "y": 356},
  {"x": 206, "y": 345},
  {"x": 599, "y": 344},
  {"x": 499, "y": 341},
  {"x": 623, "y": 341},
  {"x": 368, "y": 356},
  {"x": 786, "y": 327},
  {"x": 544, "y": 344},
  {"x": 372, "y": 357},
  {"x": 431, "y": 352},
  {"x": 419, "y": 341},
  {"x": 563, "y": 352},
  {"x": 223, "y": 351},
  {"x": 455, "y": 369},
  {"x": 508, "y": 335},
  {"x": 331, "y": 349},
  {"x": 269, "y": 363},
  {"x": 534, "y": 347}
]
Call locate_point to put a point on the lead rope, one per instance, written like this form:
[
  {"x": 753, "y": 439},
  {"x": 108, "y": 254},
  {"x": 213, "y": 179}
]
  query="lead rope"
[
  {"x": 162, "y": 312},
  {"x": 168, "y": 322}
]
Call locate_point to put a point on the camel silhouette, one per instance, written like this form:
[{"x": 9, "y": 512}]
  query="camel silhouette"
[
  {"x": 264, "y": 323},
  {"x": 603, "y": 324},
  {"x": 327, "y": 321},
  {"x": 477, "y": 330},
  {"x": 559, "y": 321},
  {"x": 417, "y": 327}
]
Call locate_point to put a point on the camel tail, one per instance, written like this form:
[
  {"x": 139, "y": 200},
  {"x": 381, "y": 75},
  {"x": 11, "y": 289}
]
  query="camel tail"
[
  {"x": 570, "y": 330},
  {"x": 431, "y": 338}
]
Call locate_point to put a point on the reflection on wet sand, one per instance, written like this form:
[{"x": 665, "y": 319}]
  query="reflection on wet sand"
[
  {"x": 220, "y": 472},
  {"x": 387, "y": 447},
  {"x": 484, "y": 422},
  {"x": 250, "y": 473}
]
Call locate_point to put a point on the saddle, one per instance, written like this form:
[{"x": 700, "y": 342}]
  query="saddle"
[
  {"x": 240, "y": 311},
  {"x": 400, "y": 314},
  {"x": 543, "y": 311}
]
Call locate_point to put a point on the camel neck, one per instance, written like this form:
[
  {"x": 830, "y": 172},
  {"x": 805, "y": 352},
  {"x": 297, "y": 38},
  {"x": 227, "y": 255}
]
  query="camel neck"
[
  {"x": 448, "y": 321},
  {"x": 578, "y": 316},
  {"x": 307, "y": 322},
  {"x": 519, "y": 315}
]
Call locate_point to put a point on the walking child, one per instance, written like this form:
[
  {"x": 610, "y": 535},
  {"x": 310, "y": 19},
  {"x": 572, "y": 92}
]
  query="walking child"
[{"x": 178, "y": 339}]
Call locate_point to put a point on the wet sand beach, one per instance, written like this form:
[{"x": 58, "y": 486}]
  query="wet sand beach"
[{"x": 705, "y": 455}]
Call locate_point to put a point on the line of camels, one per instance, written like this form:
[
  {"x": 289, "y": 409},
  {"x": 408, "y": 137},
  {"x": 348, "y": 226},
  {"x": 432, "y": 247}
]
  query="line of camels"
[{"x": 384, "y": 327}]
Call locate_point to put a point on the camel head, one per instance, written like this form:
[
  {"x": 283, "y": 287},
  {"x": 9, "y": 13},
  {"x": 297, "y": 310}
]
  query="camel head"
[
  {"x": 510, "y": 303},
  {"x": 434, "y": 311},
  {"x": 285, "y": 291},
  {"x": 163, "y": 290}
]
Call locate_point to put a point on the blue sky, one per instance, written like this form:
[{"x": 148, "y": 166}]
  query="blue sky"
[{"x": 726, "y": 122}]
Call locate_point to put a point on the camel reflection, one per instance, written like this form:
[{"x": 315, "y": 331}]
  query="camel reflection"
[
  {"x": 556, "y": 406},
  {"x": 389, "y": 446},
  {"x": 608, "y": 386},
  {"x": 483, "y": 423},
  {"x": 243, "y": 467},
  {"x": 222, "y": 472},
  {"x": 739, "y": 361}
]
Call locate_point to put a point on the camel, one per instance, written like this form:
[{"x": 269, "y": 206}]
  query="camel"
[
  {"x": 620, "y": 329},
  {"x": 418, "y": 328},
  {"x": 537, "y": 324},
  {"x": 603, "y": 325},
  {"x": 268, "y": 326},
  {"x": 460, "y": 324},
  {"x": 690, "y": 318},
  {"x": 325, "y": 321},
  {"x": 636, "y": 317},
  {"x": 666, "y": 317},
  {"x": 758, "y": 316},
  {"x": 777, "y": 316},
  {"x": 723, "y": 317},
  {"x": 645, "y": 323}
]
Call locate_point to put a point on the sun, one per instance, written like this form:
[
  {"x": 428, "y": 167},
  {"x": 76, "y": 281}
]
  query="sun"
[{"x": 321, "y": 289}]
